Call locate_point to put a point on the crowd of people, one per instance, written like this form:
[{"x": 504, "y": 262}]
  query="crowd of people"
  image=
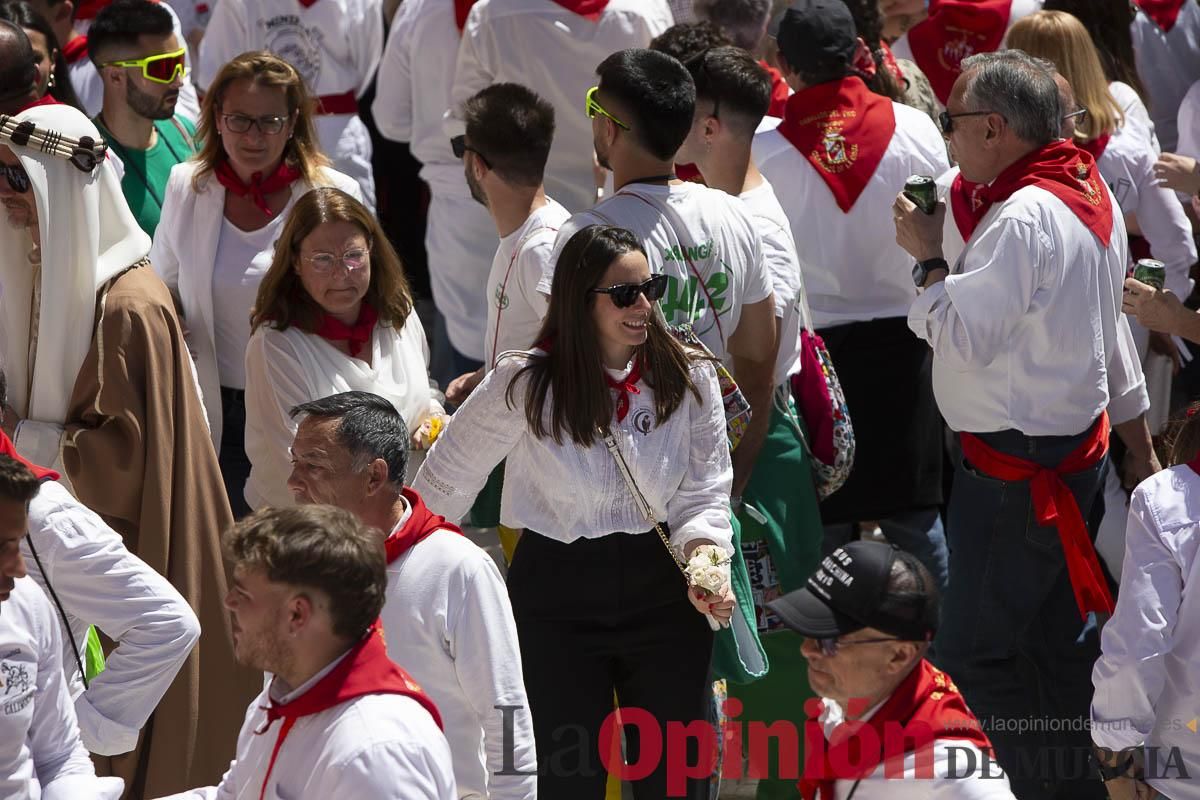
[{"x": 823, "y": 370}]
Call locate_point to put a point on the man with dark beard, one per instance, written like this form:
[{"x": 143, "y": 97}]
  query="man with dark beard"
[{"x": 141, "y": 62}]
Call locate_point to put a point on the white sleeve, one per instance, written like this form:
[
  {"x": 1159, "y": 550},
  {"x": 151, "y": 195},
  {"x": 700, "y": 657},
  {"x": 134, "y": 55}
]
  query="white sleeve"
[
  {"x": 968, "y": 318},
  {"x": 471, "y": 73},
  {"x": 367, "y": 42},
  {"x": 574, "y": 224},
  {"x": 1166, "y": 227},
  {"x": 1127, "y": 395},
  {"x": 225, "y": 37},
  {"x": 532, "y": 266},
  {"x": 394, "y": 770},
  {"x": 1189, "y": 123},
  {"x": 100, "y": 581},
  {"x": 699, "y": 508},
  {"x": 1129, "y": 674},
  {"x": 275, "y": 383},
  {"x": 758, "y": 276},
  {"x": 164, "y": 253},
  {"x": 393, "y": 106}
]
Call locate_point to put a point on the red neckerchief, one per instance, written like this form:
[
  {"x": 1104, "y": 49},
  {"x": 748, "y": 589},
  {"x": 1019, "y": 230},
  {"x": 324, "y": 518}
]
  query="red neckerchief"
[
  {"x": 890, "y": 64},
  {"x": 954, "y": 30},
  {"x": 967, "y": 205},
  {"x": 843, "y": 129},
  {"x": 625, "y": 387},
  {"x": 366, "y": 669},
  {"x": 420, "y": 523},
  {"x": 7, "y": 448},
  {"x": 688, "y": 172},
  {"x": 1053, "y": 504},
  {"x": 589, "y": 9},
  {"x": 1095, "y": 146},
  {"x": 1194, "y": 464},
  {"x": 927, "y": 705},
  {"x": 1162, "y": 12},
  {"x": 307, "y": 3},
  {"x": 76, "y": 49},
  {"x": 259, "y": 187},
  {"x": 44, "y": 100},
  {"x": 332, "y": 329},
  {"x": 461, "y": 9},
  {"x": 780, "y": 91},
  {"x": 1066, "y": 172}
]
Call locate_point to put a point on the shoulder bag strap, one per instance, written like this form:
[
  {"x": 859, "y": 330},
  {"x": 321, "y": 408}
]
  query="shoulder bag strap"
[{"x": 639, "y": 499}]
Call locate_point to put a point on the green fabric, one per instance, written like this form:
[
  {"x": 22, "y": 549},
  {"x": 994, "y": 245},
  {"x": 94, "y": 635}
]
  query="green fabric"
[
  {"x": 146, "y": 171},
  {"x": 93, "y": 655},
  {"x": 485, "y": 512},
  {"x": 747, "y": 661}
]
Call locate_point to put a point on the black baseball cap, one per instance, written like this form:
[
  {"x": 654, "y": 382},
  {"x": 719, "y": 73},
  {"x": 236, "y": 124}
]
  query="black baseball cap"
[
  {"x": 847, "y": 593},
  {"x": 813, "y": 34}
]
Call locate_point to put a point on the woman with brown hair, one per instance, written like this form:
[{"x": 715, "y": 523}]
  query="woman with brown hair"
[
  {"x": 599, "y": 602},
  {"x": 334, "y": 314},
  {"x": 222, "y": 212}
]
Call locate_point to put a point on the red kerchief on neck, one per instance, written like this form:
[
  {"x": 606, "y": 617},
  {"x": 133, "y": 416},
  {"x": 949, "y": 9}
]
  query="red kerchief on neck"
[
  {"x": 421, "y": 522},
  {"x": 1095, "y": 146},
  {"x": 44, "y": 100},
  {"x": 1163, "y": 12},
  {"x": 461, "y": 9},
  {"x": 625, "y": 387},
  {"x": 7, "y": 448},
  {"x": 589, "y": 9},
  {"x": 76, "y": 49},
  {"x": 967, "y": 205},
  {"x": 259, "y": 187},
  {"x": 355, "y": 336},
  {"x": 954, "y": 30}
]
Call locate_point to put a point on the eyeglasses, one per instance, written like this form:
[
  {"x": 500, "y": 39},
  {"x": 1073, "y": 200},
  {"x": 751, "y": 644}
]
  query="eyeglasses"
[
  {"x": 323, "y": 263},
  {"x": 460, "y": 147},
  {"x": 16, "y": 177},
  {"x": 1079, "y": 115},
  {"x": 162, "y": 68},
  {"x": 946, "y": 119},
  {"x": 623, "y": 295},
  {"x": 267, "y": 125},
  {"x": 829, "y": 645},
  {"x": 593, "y": 108}
]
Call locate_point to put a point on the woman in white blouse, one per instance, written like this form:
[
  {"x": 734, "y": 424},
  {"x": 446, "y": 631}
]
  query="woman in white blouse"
[
  {"x": 599, "y": 602},
  {"x": 333, "y": 314},
  {"x": 221, "y": 214}
]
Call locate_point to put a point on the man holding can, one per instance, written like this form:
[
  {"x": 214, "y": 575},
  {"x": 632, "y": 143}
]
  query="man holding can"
[{"x": 1031, "y": 359}]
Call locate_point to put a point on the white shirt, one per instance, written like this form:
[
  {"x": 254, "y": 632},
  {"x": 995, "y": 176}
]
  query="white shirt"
[
  {"x": 690, "y": 232},
  {"x": 243, "y": 258},
  {"x": 1149, "y": 664},
  {"x": 515, "y": 306},
  {"x": 1027, "y": 333},
  {"x": 567, "y": 492},
  {"x": 1189, "y": 123},
  {"x": 783, "y": 265},
  {"x": 286, "y": 368},
  {"x": 40, "y": 752},
  {"x": 1168, "y": 63},
  {"x": 377, "y": 746},
  {"x": 1133, "y": 108},
  {"x": 100, "y": 582},
  {"x": 447, "y": 619},
  {"x": 554, "y": 52},
  {"x": 853, "y": 269}
]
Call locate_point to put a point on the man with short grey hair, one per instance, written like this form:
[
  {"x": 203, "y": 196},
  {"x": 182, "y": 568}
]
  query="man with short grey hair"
[{"x": 1032, "y": 360}]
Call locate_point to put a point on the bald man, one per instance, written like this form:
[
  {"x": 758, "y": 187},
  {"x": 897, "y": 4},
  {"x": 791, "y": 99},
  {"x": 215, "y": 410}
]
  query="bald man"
[{"x": 17, "y": 70}]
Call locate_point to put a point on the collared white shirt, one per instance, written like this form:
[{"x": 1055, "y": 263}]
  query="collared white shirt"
[
  {"x": 1168, "y": 63},
  {"x": 1133, "y": 108},
  {"x": 41, "y": 755},
  {"x": 1189, "y": 123},
  {"x": 853, "y": 269},
  {"x": 567, "y": 492},
  {"x": 448, "y": 622},
  {"x": 1027, "y": 333},
  {"x": 99, "y": 582},
  {"x": 1149, "y": 666}
]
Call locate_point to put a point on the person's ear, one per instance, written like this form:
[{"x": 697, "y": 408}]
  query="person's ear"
[
  {"x": 478, "y": 169},
  {"x": 300, "y": 611},
  {"x": 377, "y": 476}
]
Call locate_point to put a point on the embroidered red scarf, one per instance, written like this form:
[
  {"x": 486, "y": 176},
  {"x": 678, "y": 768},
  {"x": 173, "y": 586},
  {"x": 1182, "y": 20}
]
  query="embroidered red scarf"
[
  {"x": 588, "y": 9},
  {"x": 7, "y": 448},
  {"x": 926, "y": 706},
  {"x": 780, "y": 91},
  {"x": 76, "y": 50},
  {"x": 366, "y": 669},
  {"x": 625, "y": 387},
  {"x": 843, "y": 129},
  {"x": 954, "y": 30},
  {"x": 332, "y": 329},
  {"x": 420, "y": 523},
  {"x": 259, "y": 187},
  {"x": 1164, "y": 13}
]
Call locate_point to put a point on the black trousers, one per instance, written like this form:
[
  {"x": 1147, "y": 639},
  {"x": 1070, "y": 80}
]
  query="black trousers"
[
  {"x": 599, "y": 616},
  {"x": 234, "y": 463}
]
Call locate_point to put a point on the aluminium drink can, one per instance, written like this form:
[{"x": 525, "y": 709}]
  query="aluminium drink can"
[
  {"x": 922, "y": 190},
  {"x": 1151, "y": 272}
]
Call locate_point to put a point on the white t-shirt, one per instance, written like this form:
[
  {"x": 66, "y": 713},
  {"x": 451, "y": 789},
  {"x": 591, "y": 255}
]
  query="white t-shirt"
[
  {"x": 783, "y": 265},
  {"x": 1189, "y": 123},
  {"x": 243, "y": 258},
  {"x": 704, "y": 240},
  {"x": 1168, "y": 63},
  {"x": 515, "y": 306},
  {"x": 1133, "y": 108}
]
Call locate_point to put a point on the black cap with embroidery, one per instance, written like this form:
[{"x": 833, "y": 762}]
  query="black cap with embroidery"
[{"x": 812, "y": 34}]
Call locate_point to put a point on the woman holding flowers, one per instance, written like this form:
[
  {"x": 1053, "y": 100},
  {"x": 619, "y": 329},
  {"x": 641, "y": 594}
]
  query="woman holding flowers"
[{"x": 600, "y": 603}]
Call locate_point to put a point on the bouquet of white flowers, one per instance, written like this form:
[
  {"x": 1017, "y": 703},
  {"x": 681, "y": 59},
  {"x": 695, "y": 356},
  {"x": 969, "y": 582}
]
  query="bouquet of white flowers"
[{"x": 708, "y": 569}]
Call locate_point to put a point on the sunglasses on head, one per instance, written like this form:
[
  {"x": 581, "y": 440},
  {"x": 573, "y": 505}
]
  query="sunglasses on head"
[
  {"x": 162, "y": 68},
  {"x": 623, "y": 295},
  {"x": 16, "y": 177}
]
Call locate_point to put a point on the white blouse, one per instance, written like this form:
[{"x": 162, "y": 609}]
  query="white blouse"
[
  {"x": 286, "y": 368},
  {"x": 567, "y": 492}
]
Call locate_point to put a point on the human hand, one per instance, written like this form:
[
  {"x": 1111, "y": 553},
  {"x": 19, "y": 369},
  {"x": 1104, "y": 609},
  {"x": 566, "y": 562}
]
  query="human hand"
[
  {"x": 461, "y": 387},
  {"x": 1156, "y": 310},
  {"x": 1136, "y": 468},
  {"x": 717, "y": 605},
  {"x": 1123, "y": 788},
  {"x": 429, "y": 431},
  {"x": 917, "y": 232},
  {"x": 1177, "y": 172}
]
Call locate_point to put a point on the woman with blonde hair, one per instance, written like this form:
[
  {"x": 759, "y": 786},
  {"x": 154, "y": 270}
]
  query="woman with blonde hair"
[
  {"x": 222, "y": 212},
  {"x": 334, "y": 314}
]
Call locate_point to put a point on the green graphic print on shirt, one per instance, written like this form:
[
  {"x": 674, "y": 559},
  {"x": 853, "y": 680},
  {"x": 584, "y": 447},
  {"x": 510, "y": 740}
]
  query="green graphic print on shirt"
[{"x": 685, "y": 300}]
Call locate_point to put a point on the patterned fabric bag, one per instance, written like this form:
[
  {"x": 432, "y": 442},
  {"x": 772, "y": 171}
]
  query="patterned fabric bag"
[{"x": 737, "y": 408}]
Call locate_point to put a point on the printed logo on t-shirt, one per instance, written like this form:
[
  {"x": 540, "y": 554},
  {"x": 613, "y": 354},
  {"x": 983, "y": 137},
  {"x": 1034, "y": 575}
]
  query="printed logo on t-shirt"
[
  {"x": 686, "y": 298},
  {"x": 296, "y": 44},
  {"x": 501, "y": 297},
  {"x": 16, "y": 684},
  {"x": 643, "y": 421}
]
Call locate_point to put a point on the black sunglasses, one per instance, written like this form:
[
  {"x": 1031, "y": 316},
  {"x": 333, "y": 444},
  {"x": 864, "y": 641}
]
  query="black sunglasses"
[
  {"x": 946, "y": 119},
  {"x": 460, "y": 147},
  {"x": 17, "y": 177},
  {"x": 623, "y": 295}
]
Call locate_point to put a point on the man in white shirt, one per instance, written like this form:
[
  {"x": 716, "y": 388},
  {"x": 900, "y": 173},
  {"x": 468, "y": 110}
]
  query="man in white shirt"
[
  {"x": 338, "y": 720},
  {"x": 1032, "y": 357},
  {"x": 1166, "y": 42},
  {"x": 446, "y": 615},
  {"x": 867, "y": 615},
  {"x": 836, "y": 162},
  {"x": 704, "y": 240},
  {"x": 41, "y": 755}
]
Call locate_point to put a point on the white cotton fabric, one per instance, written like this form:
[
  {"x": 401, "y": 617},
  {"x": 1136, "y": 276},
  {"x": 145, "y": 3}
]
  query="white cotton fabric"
[
  {"x": 1168, "y": 63},
  {"x": 1134, "y": 109}
]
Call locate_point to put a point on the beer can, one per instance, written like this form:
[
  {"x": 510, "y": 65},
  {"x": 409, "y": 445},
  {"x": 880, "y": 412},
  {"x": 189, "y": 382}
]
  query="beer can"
[
  {"x": 1151, "y": 272},
  {"x": 922, "y": 190}
]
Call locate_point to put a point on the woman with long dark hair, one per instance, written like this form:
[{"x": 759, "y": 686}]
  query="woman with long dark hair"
[
  {"x": 600, "y": 603},
  {"x": 53, "y": 77}
]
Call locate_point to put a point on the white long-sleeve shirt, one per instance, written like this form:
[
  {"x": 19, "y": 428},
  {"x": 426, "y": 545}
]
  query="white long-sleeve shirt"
[
  {"x": 1168, "y": 62},
  {"x": 567, "y": 492},
  {"x": 41, "y": 755},
  {"x": 448, "y": 622},
  {"x": 1149, "y": 666},
  {"x": 101, "y": 583},
  {"x": 1027, "y": 332}
]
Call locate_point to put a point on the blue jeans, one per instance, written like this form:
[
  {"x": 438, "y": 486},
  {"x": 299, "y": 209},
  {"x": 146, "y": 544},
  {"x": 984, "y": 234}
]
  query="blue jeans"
[
  {"x": 1010, "y": 627},
  {"x": 919, "y": 532}
]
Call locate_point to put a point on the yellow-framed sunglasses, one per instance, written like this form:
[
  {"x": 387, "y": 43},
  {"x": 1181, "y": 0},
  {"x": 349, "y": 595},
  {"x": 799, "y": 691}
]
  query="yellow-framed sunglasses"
[
  {"x": 593, "y": 108},
  {"x": 161, "y": 68}
]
